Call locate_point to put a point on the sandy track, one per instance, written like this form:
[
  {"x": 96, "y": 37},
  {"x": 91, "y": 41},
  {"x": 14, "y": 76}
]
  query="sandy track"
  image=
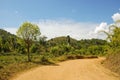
[{"x": 82, "y": 69}]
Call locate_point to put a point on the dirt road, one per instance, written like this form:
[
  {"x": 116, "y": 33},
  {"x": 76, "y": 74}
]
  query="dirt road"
[{"x": 82, "y": 69}]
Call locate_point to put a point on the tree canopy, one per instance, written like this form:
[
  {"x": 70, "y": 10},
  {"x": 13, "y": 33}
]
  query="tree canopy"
[{"x": 28, "y": 32}]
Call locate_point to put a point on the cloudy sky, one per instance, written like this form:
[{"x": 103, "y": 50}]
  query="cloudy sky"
[{"x": 81, "y": 19}]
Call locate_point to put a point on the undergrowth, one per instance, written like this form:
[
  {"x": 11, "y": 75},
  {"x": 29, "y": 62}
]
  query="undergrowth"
[{"x": 12, "y": 64}]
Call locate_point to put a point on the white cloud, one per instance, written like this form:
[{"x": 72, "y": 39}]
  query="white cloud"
[
  {"x": 104, "y": 27},
  {"x": 55, "y": 28},
  {"x": 97, "y": 31},
  {"x": 101, "y": 27},
  {"x": 11, "y": 30},
  {"x": 77, "y": 30},
  {"x": 116, "y": 17}
]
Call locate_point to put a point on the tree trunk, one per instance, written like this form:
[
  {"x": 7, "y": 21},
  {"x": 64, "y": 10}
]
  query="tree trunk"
[{"x": 28, "y": 51}]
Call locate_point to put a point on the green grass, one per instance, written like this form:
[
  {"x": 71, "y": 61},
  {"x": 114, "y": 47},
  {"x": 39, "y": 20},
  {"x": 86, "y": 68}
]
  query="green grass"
[{"x": 12, "y": 64}]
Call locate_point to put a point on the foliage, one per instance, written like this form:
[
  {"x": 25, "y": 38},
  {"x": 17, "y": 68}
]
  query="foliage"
[
  {"x": 28, "y": 32},
  {"x": 60, "y": 50},
  {"x": 11, "y": 64},
  {"x": 7, "y": 41},
  {"x": 62, "y": 41},
  {"x": 113, "y": 58},
  {"x": 42, "y": 40},
  {"x": 13, "y": 51},
  {"x": 97, "y": 50}
]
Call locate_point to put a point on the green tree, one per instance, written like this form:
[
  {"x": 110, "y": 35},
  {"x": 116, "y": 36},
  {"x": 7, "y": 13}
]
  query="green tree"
[
  {"x": 42, "y": 40},
  {"x": 68, "y": 40},
  {"x": 113, "y": 35},
  {"x": 28, "y": 32}
]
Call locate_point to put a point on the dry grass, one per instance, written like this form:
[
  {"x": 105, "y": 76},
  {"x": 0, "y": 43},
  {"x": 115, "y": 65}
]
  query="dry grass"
[
  {"x": 10, "y": 65},
  {"x": 113, "y": 62}
]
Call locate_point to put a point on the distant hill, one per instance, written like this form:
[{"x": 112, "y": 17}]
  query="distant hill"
[
  {"x": 6, "y": 36},
  {"x": 76, "y": 43},
  {"x": 89, "y": 42},
  {"x": 62, "y": 40},
  {"x": 4, "y": 33}
]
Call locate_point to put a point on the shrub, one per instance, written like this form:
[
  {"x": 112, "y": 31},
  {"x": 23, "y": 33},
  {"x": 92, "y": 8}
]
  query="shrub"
[
  {"x": 61, "y": 58},
  {"x": 60, "y": 50}
]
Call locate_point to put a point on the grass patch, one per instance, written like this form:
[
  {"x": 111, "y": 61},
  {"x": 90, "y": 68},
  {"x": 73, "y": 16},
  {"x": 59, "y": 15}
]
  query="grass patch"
[{"x": 11, "y": 64}]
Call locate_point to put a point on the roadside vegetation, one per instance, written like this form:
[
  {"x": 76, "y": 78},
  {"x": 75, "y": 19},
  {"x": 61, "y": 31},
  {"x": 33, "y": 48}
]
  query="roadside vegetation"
[
  {"x": 29, "y": 49},
  {"x": 113, "y": 58},
  {"x": 11, "y": 64}
]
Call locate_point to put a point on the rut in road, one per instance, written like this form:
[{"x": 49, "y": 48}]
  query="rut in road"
[{"x": 82, "y": 69}]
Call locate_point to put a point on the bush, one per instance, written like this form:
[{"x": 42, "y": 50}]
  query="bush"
[
  {"x": 61, "y": 58},
  {"x": 97, "y": 50},
  {"x": 21, "y": 50},
  {"x": 33, "y": 48},
  {"x": 47, "y": 58},
  {"x": 80, "y": 52},
  {"x": 55, "y": 51},
  {"x": 61, "y": 50},
  {"x": 11, "y": 64}
]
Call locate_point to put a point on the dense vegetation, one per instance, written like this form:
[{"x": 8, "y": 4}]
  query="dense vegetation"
[
  {"x": 15, "y": 50},
  {"x": 28, "y": 32},
  {"x": 10, "y": 43},
  {"x": 113, "y": 58},
  {"x": 81, "y": 47},
  {"x": 7, "y": 41}
]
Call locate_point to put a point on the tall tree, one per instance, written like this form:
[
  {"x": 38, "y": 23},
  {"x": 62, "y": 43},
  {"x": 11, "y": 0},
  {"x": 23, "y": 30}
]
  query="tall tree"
[
  {"x": 68, "y": 40},
  {"x": 28, "y": 32}
]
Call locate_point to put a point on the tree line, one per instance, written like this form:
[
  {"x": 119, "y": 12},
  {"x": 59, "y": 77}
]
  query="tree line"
[{"x": 28, "y": 41}]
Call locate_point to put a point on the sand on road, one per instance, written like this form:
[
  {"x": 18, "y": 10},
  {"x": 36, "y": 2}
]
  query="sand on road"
[{"x": 81, "y": 69}]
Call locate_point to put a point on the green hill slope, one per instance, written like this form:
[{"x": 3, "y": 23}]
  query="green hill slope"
[
  {"x": 7, "y": 41},
  {"x": 62, "y": 40}
]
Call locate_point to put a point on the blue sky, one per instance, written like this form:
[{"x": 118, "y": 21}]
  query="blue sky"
[{"x": 14, "y": 12}]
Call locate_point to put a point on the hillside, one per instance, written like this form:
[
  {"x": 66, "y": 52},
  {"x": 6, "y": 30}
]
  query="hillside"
[
  {"x": 6, "y": 35},
  {"x": 62, "y": 40},
  {"x": 4, "y": 32},
  {"x": 113, "y": 62},
  {"x": 7, "y": 41},
  {"x": 83, "y": 43}
]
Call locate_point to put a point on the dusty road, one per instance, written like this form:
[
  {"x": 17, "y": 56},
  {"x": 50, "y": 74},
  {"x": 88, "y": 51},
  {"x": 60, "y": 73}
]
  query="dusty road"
[{"x": 82, "y": 69}]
